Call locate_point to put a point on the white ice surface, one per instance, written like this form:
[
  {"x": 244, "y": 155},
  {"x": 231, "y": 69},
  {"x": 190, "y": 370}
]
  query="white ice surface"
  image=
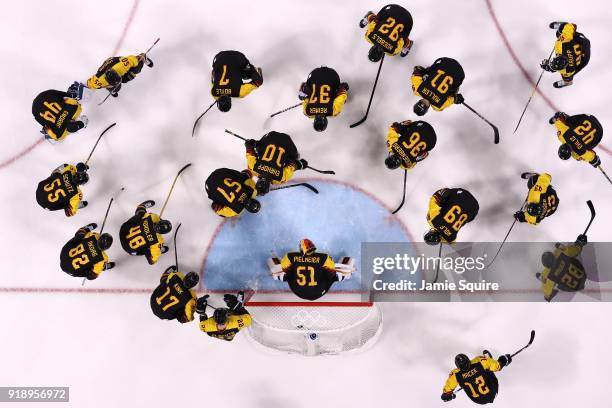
[{"x": 112, "y": 351}]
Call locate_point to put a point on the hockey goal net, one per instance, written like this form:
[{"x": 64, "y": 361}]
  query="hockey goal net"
[{"x": 312, "y": 329}]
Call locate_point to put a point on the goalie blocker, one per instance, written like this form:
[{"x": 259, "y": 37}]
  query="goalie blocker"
[{"x": 310, "y": 274}]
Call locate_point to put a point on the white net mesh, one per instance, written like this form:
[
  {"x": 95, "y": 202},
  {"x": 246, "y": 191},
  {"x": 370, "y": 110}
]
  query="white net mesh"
[{"x": 312, "y": 329}]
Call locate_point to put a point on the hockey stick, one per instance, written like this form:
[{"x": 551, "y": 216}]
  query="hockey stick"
[
  {"x": 592, "y": 209},
  {"x": 321, "y": 171},
  {"x": 528, "y": 344},
  {"x": 110, "y": 203},
  {"x": 175, "y": 247},
  {"x": 234, "y": 134},
  {"x": 97, "y": 141},
  {"x": 403, "y": 195},
  {"x": 200, "y": 117},
  {"x": 371, "y": 95},
  {"x": 308, "y": 186},
  {"x": 285, "y": 110},
  {"x": 172, "y": 188},
  {"x": 533, "y": 91},
  {"x": 504, "y": 241},
  {"x": 495, "y": 130},
  {"x": 439, "y": 263},
  {"x": 604, "y": 173},
  {"x": 145, "y": 53}
]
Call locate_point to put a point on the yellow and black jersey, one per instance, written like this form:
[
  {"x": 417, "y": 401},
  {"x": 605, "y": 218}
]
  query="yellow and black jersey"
[
  {"x": 237, "y": 320},
  {"x": 582, "y": 133},
  {"x": 390, "y": 28},
  {"x": 59, "y": 191},
  {"x": 274, "y": 157},
  {"x": 575, "y": 47},
  {"x": 126, "y": 67},
  {"x": 138, "y": 236},
  {"x": 449, "y": 210},
  {"x": 229, "y": 191},
  {"x": 566, "y": 273},
  {"x": 309, "y": 276},
  {"x": 229, "y": 75},
  {"x": 81, "y": 256},
  {"x": 411, "y": 141},
  {"x": 172, "y": 300},
  {"x": 439, "y": 83},
  {"x": 54, "y": 110},
  {"x": 324, "y": 96},
  {"x": 479, "y": 382},
  {"x": 544, "y": 195}
]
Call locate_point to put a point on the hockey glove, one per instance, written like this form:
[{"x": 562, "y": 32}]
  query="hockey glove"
[
  {"x": 81, "y": 167},
  {"x": 505, "y": 360},
  {"x": 344, "y": 87},
  {"x": 301, "y": 164},
  {"x": 250, "y": 144},
  {"x": 581, "y": 240},
  {"x": 418, "y": 70},
  {"x": 459, "y": 99},
  {"x": 448, "y": 396},
  {"x": 596, "y": 162},
  {"x": 231, "y": 301},
  {"x": 545, "y": 66},
  {"x": 302, "y": 92},
  {"x": 75, "y": 91},
  {"x": 519, "y": 216},
  {"x": 202, "y": 304}
]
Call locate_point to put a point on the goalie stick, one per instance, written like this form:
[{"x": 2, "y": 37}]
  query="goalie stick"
[
  {"x": 172, "y": 188},
  {"x": 371, "y": 95}
]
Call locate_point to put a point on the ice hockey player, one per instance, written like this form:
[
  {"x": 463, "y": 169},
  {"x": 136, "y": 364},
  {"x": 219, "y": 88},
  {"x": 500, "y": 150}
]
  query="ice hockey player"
[
  {"x": 58, "y": 114},
  {"x": 118, "y": 70},
  {"x": 449, "y": 210},
  {"x": 233, "y": 76},
  {"x": 542, "y": 199},
  {"x": 61, "y": 190},
  {"x": 310, "y": 274},
  {"x": 174, "y": 297},
  {"x": 438, "y": 85},
  {"x": 83, "y": 256},
  {"x": 408, "y": 143},
  {"x": 476, "y": 377},
  {"x": 388, "y": 31},
  {"x": 225, "y": 322},
  {"x": 579, "y": 135},
  {"x": 323, "y": 95},
  {"x": 232, "y": 192},
  {"x": 272, "y": 159},
  {"x": 563, "y": 271},
  {"x": 142, "y": 234},
  {"x": 572, "y": 53}
]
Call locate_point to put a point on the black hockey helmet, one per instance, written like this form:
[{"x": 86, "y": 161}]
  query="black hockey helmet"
[
  {"x": 191, "y": 279},
  {"x": 320, "y": 123},
  {"x": 432, "y": 237},
  {"x": 565, "y": 151},
  {"x": 80, "y": 177},
  {"x": 375, "y": 54},
  {"x": 462, "y": 362},
  {"x": 393, "y": 162},
  {"x": 221, "y": 315},
  {"x": 262, "y": 186},
  {"x": 105, "y": 241},
  {"x": 224, "y": 103},
  {"x": 163, "y": 227},
  {"x": 548, "y": 259},
  {"x": 421, "y": 107},
  {"x": 533, "y": 209},
  {"x": 112, "y": 77},
  {"x": 253, "y": 206}
]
